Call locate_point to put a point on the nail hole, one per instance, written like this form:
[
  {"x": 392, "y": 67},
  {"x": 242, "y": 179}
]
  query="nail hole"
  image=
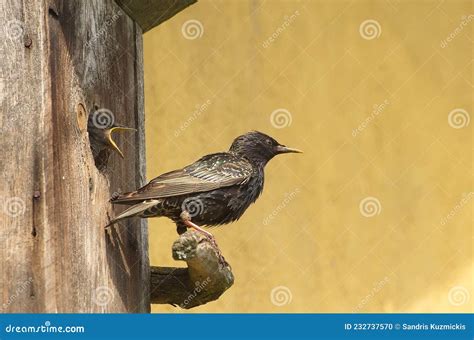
[
  {"x": 53, "y": 12},
  {"x": 27, "y": 41}
]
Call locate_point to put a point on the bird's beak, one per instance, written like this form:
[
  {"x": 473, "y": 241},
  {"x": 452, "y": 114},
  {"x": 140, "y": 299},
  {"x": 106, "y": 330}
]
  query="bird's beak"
[
  {"x": 285, "y": 149},
  {"x": 111, "y": 141}
]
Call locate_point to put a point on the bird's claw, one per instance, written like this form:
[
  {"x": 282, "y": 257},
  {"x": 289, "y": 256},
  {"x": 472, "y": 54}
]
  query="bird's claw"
[{"x": 213, "y": 242}]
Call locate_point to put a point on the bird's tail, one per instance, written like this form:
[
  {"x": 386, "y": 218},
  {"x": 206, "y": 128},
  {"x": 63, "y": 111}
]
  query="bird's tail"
[{"x": 134, "y": 210}]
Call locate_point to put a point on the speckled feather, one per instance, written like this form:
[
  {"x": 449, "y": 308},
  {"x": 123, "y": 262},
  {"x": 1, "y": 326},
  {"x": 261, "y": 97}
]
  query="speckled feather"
[{"x": 215, "y": 190}]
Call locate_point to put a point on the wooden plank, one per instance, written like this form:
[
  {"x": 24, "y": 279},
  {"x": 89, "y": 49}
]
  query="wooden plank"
[
  {"x": 151, "y": 13},
  {"x": 56, "y": 255},
  {"x": 21, "y": 106}
]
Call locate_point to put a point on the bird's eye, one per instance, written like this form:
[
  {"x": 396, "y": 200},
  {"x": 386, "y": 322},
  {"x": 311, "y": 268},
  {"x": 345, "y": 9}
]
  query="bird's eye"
[{"x": 269, "y": 142}]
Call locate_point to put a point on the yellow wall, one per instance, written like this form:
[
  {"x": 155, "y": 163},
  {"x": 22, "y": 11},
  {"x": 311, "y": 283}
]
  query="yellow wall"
[{"x": 412, "y": 255}]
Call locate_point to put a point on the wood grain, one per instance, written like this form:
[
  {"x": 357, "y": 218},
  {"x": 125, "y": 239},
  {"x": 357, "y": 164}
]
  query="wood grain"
[{"x": 56, "y": 255}]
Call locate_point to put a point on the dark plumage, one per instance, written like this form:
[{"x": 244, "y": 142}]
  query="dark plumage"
[
  {"x": 216, "y": 189},
  {"x": 101, "y": 127}
]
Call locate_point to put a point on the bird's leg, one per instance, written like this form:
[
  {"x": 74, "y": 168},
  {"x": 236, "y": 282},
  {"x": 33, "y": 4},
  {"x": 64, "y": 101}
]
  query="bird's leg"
[
  {"x": 187, "y": 221},
  {"x": 198, "y": 228},
  {"x": 209, "y": 236}
]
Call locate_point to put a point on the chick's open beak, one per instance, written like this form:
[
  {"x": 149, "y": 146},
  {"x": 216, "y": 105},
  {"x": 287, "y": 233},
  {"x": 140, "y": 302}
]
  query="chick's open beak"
[
  {"x": 111, "y": 141},
  {"x": 285, "y": 149}
]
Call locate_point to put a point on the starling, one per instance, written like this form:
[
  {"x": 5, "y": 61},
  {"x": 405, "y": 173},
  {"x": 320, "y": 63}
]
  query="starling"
[
  {"x": 215, "y": 190},
  {"x": 101, "y": 125}
]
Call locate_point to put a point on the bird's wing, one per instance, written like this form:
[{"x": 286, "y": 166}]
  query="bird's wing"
[{"x": 208, "y": 173}]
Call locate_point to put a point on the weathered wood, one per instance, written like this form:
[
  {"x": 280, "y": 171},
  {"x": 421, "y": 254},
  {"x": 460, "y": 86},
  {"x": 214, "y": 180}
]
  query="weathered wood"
[
  {"x": 60, "y": 59},
  {"x": 207, "y": 277},
  {"x": 151, "y": 13}
]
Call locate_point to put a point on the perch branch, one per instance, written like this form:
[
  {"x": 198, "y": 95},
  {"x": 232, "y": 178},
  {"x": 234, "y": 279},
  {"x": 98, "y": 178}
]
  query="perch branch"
[{"x": 206, "y": 278}]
